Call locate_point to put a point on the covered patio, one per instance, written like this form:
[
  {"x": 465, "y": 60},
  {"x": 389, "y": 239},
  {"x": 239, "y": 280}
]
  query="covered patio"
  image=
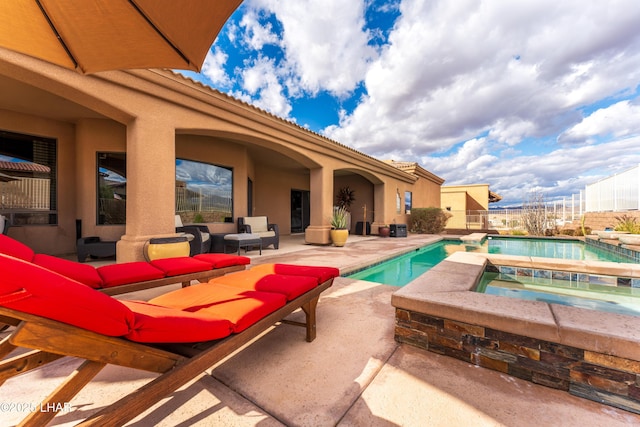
[{"x": 156, "y": 117}]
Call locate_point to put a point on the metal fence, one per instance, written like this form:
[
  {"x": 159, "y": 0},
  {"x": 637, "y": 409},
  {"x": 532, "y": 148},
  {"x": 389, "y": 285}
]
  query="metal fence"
[{"x": 25, "y": 193}]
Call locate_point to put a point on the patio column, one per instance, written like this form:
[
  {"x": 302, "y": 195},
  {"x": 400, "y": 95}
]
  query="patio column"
[
  {"x": 151, "y": 181},
  {"x": 321, "y": 182},
  {"x": 378, "y": 207}
]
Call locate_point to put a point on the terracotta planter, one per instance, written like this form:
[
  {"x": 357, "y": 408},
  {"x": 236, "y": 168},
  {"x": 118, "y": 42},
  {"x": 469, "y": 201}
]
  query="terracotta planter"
[
  {"x": 384, "y": 231},
  {"x": 339, "y": 237}
]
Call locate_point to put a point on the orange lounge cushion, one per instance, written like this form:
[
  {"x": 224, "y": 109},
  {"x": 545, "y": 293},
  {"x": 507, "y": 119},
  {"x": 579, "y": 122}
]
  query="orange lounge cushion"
[
  {"x": 12, "y": 247},
  {"x": 128, "y": 272},
  {"x": 157, "y": 324},
  {"x": 241, "y": 307},
  {"x": 289, "y": 286},
  {"x": 32, "y": 289},
  {"x": 180, "y": 265},
  {"x": 322, "y": 274},
  {"x": 223, "y": 260},
  {"x": 82, "y": 273}
]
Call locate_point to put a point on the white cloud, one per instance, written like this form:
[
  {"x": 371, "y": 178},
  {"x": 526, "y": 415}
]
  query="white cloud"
[
  {"x": 261, "y": 83},
  {"x": 324, "y": 42},
  {"x": 618, "y": 120},
  {"x": 454, "y": 70},
  {"x": 213, "y": 68}
]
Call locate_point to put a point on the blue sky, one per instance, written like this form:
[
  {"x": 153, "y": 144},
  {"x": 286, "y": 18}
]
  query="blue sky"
[{"x": 527, "y": 96}]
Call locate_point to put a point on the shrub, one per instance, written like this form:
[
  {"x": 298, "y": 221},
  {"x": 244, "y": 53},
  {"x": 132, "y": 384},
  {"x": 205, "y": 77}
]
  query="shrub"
[
  {"x": 582, "y": 231},
  {"x": 627, "y": 223},
  {"x": 568, "y": 232},
  {"x": 519, "y": 233},
  {"x": 428, "y": 220}
]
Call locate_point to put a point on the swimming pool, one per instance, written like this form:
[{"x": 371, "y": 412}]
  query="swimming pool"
[{"x": 403, "y": 269}]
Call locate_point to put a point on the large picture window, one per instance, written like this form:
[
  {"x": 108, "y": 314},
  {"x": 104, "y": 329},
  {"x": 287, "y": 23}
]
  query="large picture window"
[
  {"x": 203, "y": 191},
  {"x": 28, "y": 179}
]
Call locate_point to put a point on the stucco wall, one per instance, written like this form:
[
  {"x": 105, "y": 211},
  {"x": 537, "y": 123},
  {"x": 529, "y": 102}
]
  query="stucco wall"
[
  {"x": 602, "y": 220},
  {"x": 272, "y": 194}
]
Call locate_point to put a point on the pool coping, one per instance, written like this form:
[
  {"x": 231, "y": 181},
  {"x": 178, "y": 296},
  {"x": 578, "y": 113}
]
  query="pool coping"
[{"x": 447, "y": 291}]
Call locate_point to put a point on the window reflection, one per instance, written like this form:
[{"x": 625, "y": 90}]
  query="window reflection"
[{"x": 203, "y": 191}]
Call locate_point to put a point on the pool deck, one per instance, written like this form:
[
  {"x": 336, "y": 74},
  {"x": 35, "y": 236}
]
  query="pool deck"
[{"x": 353, "y": 374}]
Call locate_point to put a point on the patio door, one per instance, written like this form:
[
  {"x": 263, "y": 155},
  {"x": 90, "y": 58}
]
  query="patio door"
[{"x": 300, "y": 208}]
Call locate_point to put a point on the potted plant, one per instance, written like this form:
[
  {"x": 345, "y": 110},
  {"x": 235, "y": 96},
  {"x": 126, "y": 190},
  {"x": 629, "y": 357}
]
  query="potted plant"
[
  {"x": 344, "y": 199},
  {"x": 384, "y": 230},
  {"x": 339, "y": 231}
]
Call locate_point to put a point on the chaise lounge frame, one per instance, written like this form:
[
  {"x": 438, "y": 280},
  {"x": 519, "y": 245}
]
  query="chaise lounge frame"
[{"x": 176, "y": 364}]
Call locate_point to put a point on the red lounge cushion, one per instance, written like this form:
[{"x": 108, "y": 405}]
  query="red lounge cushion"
[
  {"x": 223, "y": 260},
  {"x": 32, "y": 289},
  {"x": 158, "y": 324},
  {"x": 289, "y": 286},
  {"x": 128, "y": 272},
  {"x": 82, "y": 273},
  {"x": 321, "y": 273},
  {"x": 180, "y": 265},
  {"x": 12, "y": 247},
  {"x": 241, "y": 307}
]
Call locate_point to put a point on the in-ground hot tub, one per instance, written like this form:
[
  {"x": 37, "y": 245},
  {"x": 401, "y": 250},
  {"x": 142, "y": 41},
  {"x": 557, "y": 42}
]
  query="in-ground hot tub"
[{"x": 592, "y": 354}]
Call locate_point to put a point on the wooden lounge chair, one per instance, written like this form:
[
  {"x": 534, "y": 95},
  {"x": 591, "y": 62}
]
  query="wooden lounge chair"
[
  {"x": 177, "y": 335},
  {"x": 126, "y": 277}
]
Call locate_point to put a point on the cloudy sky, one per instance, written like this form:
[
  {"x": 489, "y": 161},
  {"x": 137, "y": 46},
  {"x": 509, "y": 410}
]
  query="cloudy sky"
[{"x": 528, "y": 96}]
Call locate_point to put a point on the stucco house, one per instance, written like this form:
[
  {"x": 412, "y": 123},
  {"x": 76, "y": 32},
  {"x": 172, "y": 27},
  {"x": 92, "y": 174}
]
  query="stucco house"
[
  {"x": 126, "y": 149},
  {"x": 468, "y": 205}
]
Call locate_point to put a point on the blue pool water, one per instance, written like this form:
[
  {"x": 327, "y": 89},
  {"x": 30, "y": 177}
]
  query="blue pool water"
[
  {"x": 403, "y": 269},
  {"x": 594, "y": 296}
]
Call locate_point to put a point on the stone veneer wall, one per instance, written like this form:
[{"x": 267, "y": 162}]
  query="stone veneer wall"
[
  {"x": 611, "y": 380},
  {"x": 602, "y": 220}
]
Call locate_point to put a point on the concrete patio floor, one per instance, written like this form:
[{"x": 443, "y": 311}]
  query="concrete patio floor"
[{"x": 353, "y": 374}]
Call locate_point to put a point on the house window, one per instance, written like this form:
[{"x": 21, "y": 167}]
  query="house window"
[
  {"x": 204, "y": 192},
  {"x": 407, "y": 201},
  {"x": 28, "y": 180},
  {"x": 112, "y": 188}
]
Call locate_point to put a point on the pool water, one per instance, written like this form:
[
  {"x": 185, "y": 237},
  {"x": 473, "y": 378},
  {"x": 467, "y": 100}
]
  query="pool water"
[
  {"x": 403, "y": 269},
  {"x": 602, "y": 297}
]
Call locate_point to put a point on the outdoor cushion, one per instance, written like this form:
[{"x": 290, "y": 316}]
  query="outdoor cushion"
[
  {"x": 180, "y": 265},
  {"x": 33, "y": 289},
  {"x": 128, "y": 272},
  {"x": 258, "y": 223},
  {"x": 82, "y": 273},
  {"x": 241, "y": 307},
  {"x": 322, "y": 274},
  {"x": 289, "y": 286},
  {"x": 223, "y": 260},
  {"x": 12, "y": 247},
  {"x": 157, "y": 324}
]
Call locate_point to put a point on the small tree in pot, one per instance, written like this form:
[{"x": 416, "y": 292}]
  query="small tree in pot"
[{"x": 339, "y": 232}]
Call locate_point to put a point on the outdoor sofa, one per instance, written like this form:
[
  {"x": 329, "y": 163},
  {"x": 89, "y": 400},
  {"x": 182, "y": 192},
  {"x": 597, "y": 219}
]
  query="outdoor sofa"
[
  {"x": 126, "y": 277},
  {"x": 178, "y": 335}
]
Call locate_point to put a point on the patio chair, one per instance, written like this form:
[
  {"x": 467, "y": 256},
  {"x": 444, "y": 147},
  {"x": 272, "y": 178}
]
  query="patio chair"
[
  {"x": 269, "y": 233},
  {"x": 179, "y": 334},
  {"x": 201, "y": 242}
]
